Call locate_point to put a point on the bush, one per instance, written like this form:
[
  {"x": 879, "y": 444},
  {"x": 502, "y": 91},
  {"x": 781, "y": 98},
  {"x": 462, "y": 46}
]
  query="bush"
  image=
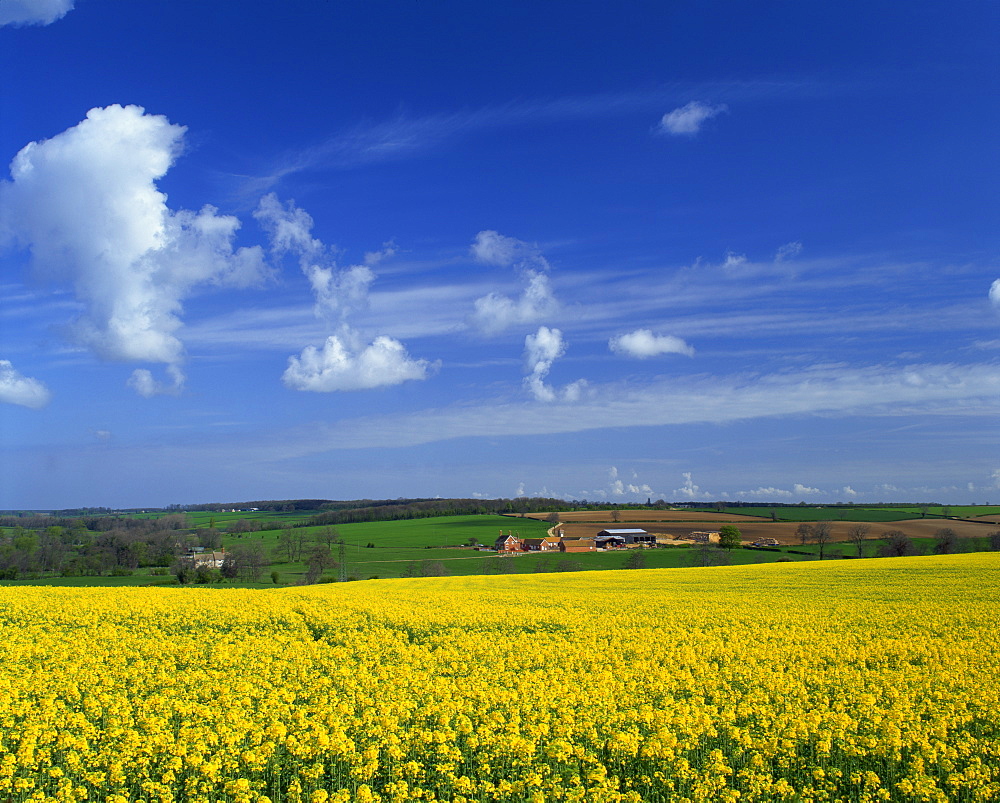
[
  {"x": 730, "y": 536},
  {"x": 636, "y": 559}
]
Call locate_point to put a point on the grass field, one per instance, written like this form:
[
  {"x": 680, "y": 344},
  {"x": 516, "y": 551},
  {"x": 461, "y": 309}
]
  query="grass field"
[{"x": 845, "y": 680}]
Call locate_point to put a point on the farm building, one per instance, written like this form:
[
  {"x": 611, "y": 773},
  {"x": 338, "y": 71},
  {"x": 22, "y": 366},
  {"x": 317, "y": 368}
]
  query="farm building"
[
  {"x": 610, "y": 541},
  {"x": 210, "y": 560},
  {"x": 577, "y": 545},
  {"x": 546, "y": 544},
  {"x": 631, "y": 536}
]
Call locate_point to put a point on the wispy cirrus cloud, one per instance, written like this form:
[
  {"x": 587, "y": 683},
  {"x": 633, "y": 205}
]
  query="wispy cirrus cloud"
[
  {"x": 876, "y": 390},
  {"x": 406, "y": 135},
  {"x": 687, "y": 120}
]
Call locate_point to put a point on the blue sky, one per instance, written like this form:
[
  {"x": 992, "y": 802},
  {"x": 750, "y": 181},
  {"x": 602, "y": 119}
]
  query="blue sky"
[{"x": 691, "y": 251}]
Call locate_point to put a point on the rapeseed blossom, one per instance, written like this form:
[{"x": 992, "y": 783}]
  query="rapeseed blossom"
[{"x": 857, "y": 681}]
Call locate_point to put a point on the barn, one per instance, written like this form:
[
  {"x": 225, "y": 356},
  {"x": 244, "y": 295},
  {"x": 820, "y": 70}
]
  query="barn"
[{"x": 631, "y": 536}]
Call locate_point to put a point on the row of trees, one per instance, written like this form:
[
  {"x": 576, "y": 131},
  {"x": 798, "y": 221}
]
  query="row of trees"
[
  {"x": 894, "y": 543},
  {"x": 82, "y": 552}
]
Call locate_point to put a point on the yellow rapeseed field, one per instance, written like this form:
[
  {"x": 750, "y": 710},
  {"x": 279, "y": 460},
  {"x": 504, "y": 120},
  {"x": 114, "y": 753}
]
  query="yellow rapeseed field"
[{"x": 848, "y": 680}]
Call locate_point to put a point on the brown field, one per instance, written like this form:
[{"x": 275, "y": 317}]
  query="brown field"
[
  {"x": 782, "y": 531},
  {"x": 993, "y": 519},
  {"x": 604, "y": 517}
]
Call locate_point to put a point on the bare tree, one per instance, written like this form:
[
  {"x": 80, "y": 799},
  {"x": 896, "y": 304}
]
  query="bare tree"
[
  {"x": 299, "y": 538},
  {"x": 433, "y": 568},
  {"x": 858, "y": 534},
  {"x": 317, "y": 562},
  {"x": 327, "y": 537},
  {"x": 822, "y": 534},
  {"x": 245, "y": 562},
  {"x": 286, "y": 544},
  {"x": 210, "y": 538},
  {"x": 945, "y": 541},
  {"x": 804, "y": 533},
  {"x": 616, "y": 514},
  {"x": 897, "y": 544}
]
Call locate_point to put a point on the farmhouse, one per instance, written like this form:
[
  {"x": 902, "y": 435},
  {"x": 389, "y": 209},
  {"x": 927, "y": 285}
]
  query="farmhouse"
[
  {"x": 210, "y": 560},
  {"x": 631, "y": 536},
  {"x": 508, "y": 543}
]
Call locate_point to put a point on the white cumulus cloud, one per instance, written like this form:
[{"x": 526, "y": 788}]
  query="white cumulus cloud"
[
  {"x": 643, "y": 343},
  {"x": 86, "y": 204},
  {"x": 542, "y": 349},
  {"x": 338, "y": 367},
  {"x": 15, "y": 388},
  {"x": 689, "y": 119},
  {"x": 343, "y": 362},
  {"x": 995, "y": 293},
  {"x": 494, "y": 312},
  {"x": 688, "y": 490},
  {"x": 33, "y": 12},
  {"x": 804, "y": 490}
]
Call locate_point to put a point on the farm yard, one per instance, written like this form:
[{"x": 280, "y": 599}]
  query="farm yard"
[
  {"x": 676, "y": 524},
  {"x": 841, "y": 680}
]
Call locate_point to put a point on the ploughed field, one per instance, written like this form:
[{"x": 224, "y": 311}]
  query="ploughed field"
[
  {"x": 845, "y": 680},
  {"x": 678, "y": 524}
]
